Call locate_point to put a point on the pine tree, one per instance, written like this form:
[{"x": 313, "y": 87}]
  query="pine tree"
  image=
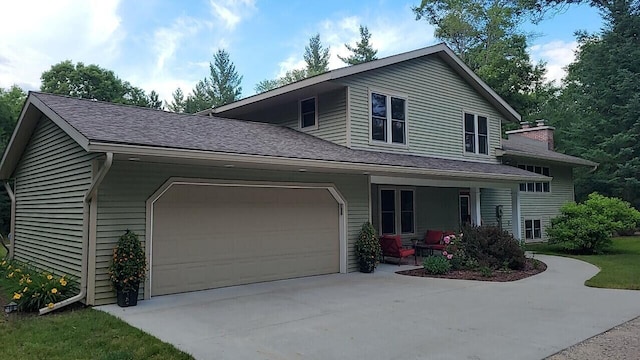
[
  {"x": 177, "y": 105},
  {"x": 362, "y": 52},
  {"x": 316, "y": 57},
  {"x": 154, "y": 100},
  {"x": 223, "y": 85}
]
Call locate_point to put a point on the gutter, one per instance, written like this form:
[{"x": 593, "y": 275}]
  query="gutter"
[
  {"x": 89, "y": 195},
  {"x": 12, "y": 229}
]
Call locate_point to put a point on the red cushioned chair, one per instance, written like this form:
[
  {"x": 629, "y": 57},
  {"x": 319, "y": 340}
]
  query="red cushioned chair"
[
  {"x": 433, "y": 240},
  {"x": 392, "y": 246}
]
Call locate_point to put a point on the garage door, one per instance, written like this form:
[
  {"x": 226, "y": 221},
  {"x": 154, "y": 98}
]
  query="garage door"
[{"x": 209, "y": 236}]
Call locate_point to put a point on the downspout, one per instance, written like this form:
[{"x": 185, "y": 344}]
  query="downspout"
[
  {"x": 85, "y": 243},
  {"x": 12, "y": 228}
]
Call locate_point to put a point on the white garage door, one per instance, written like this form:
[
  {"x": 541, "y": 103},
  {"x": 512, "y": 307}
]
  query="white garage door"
[{"x": 209, "y": 236}]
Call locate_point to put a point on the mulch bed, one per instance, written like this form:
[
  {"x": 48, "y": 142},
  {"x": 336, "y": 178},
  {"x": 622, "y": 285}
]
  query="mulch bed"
[{"x": 497, "y": 275}]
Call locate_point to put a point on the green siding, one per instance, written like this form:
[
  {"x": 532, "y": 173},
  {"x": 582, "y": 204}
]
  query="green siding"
[
  {"x": 437, "y": 97},
  {"x": 123, "y": 194},
  {"x": 52, "y": 178},
  {"x": 533, "y": 206},
  {"x": 331, "y": 116}
]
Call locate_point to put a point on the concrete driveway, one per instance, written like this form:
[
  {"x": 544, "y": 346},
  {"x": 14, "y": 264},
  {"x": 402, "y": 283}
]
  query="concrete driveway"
[{"x": 388, "y": 316}]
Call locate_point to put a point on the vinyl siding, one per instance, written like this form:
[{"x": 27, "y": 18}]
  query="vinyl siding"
[
  {"x": 52, "y": 178},
  {"x": 331, "y": 116},
  {"x": 437, "y": 97},
  {"x": 533, "y": 206},
  {"x": 436, "y": 209},
  {"x": 123, "y": 194}
]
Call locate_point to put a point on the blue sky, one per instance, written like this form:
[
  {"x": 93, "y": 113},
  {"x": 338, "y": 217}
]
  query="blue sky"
[{"x": 161, "y": 44}]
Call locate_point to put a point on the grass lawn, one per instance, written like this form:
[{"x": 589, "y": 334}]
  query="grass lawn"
[
  {"x": 80, "y": 334},
  {"x": 619, "y": 265},
  {"x": 76, "y": 334}
]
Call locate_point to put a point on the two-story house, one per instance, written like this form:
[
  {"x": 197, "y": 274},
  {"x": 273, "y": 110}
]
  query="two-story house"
[{"x": 276, "y": 185}]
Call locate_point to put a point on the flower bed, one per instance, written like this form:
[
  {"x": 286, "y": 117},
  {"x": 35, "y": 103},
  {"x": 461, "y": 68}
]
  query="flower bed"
[{"x": 532, "y": 267}]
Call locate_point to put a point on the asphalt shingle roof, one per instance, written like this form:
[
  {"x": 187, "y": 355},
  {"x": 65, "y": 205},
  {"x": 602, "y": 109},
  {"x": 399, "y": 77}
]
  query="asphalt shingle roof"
[
  {"x": 121, "y": 124},
  {"x": 521, "y": 146}
]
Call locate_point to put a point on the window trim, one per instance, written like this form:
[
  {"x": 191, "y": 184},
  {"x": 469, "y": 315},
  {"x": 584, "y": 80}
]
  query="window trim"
[
  {"x": 315, "y": 104},
  {"x": 389, "y": 142},
  {"x": 398, "y": 210},
  {"x": 533, "y": 229},
  {"x": 525, "y": 185},
  {"x": 476, "y": 138}
]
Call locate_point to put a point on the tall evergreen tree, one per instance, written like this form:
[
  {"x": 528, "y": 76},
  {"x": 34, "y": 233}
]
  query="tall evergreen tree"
[
  {"x": 154, "y": 100},
  {"x": 362, "y": 52},
  {"x": 221, "y": 87},
  {"x": 316, "y": 56},
  {"x": 177, "y": 104},
  {"x": 598, "y": 113}
]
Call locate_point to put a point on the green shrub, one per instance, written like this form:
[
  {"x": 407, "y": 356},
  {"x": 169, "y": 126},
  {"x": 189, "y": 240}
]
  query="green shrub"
[
  {"x": 486, "y": 271},
  {"x": 492, "y": 247},
  {"x": 34, "y": 289},
  {"x": 437, "y": 265},
  {"x": 128, "y": 266},
  {"x": 367, "y": 248},
  {"x": 588, "y": 227}
]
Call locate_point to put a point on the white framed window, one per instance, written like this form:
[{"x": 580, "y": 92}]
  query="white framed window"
[
  {"x": 308, "y": 113},
  {"x": 476, "y": 134},
  {"x": 533, "y": 229},
  {"x": 397, "y": 211},
  {"x": 539, "y": 186},
  {"x": 388, "y": 118}
]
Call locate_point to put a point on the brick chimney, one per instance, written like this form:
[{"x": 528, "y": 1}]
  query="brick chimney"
[{"x": 540, "y": 132}]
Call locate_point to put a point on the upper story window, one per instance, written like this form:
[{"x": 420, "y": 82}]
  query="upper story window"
[
  {"x": 476, "y": 134},
  {"x": 539, "y": 186},
  {"x": 388, "y": 118},
  {"x": 308, "y": 113}
]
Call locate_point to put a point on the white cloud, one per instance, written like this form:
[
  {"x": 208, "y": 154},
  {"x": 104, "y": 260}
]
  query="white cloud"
[
  {"x": 37, "y": 34},
  {"x": 231, "y": 12},
  {"x": 167, "y": 39},
  {"x": 557, "y": 54}
]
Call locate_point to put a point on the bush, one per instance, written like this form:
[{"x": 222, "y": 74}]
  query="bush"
[
  {"x": 491, "y": 247},
  {"x": 367, "y": 248},
  {"x": 129, "y": 264},
  {"x": 34, "y": 289},
  {"x": 437, "y": 265},
  {"x": 588, "y": 227}
]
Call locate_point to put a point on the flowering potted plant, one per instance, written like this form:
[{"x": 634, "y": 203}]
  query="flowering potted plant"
[
  {"x": 128, "y": 268},
  {"x": 367, "y": 247}
]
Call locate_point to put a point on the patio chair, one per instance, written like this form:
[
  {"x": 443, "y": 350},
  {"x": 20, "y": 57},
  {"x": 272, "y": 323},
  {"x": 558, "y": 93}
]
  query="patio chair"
[
  {"x": 433, "y": 241},
  {"x": 392, "y": 246}
]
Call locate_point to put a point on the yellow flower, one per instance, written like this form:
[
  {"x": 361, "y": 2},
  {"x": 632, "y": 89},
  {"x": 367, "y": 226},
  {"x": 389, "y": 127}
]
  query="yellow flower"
[
  {"x": 29, "y": 281},
  {"x": 17, "y": 296},
  {"x": 49, "y": 277},
  {"x": 63, "y": 282},
  {"x": 25, "y": 289},
  {"x": 18, "y": 270},
  {"x": 54, "y": 291},
  {"x": 50, "y": 305},
  {"x": 9, "y": 267},
  {"x": 10, "y": 275},
  {"x": 4, "y": 263}
]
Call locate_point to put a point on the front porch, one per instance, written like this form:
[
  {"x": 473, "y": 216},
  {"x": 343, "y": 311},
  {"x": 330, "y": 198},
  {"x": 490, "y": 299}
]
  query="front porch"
[{"x": 411, "y": 206}]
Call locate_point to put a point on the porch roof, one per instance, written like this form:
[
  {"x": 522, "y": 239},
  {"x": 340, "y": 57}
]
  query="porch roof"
[{"x": 106, "y": 127}]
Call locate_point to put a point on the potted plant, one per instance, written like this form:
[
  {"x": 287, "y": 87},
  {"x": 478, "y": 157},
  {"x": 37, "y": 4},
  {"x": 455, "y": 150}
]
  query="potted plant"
[
  {"x": 367, "y": 247},
  {"x": 128, "y": 268}
]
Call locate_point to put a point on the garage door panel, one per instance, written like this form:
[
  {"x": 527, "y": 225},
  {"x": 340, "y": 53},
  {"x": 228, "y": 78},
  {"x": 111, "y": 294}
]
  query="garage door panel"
[{"x": 213, "y": 236}]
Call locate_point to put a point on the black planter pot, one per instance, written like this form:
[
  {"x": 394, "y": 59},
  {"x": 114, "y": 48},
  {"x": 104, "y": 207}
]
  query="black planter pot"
[
  {"x": 127, "y": 297},
  {"x": 367, "y": 265}
]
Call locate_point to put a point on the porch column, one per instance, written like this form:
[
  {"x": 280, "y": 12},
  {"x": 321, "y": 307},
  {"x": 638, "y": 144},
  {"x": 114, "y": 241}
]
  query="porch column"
[
  {"x": 516, "y": 222},
  {"x": 474, "y": 200}
]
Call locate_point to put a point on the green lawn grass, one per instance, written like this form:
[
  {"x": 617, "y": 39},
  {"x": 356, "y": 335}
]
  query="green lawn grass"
[
  {"x": 76, "y": 334},
  {"x": 619, "y": 265},
  {"x": 80, "y": 334}
]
